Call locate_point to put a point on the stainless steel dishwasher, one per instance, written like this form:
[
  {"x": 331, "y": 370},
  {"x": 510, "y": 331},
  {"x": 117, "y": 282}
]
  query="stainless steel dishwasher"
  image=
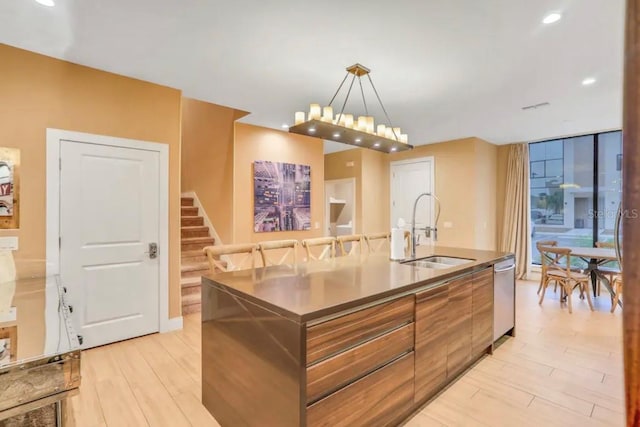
[{"x": 504, "y": 302}]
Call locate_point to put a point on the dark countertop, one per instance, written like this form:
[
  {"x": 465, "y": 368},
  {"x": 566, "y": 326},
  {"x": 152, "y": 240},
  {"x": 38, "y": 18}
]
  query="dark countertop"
[{"x": 317, "y": 289}]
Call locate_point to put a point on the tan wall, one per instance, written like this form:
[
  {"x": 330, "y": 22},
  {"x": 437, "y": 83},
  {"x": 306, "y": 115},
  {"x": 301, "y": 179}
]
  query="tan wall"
[
  {"x": 375, "y": 192},
  {"x": 38, "y": 92},
  {"x": 335, "y": 167},
  {"x": 207, "y": 160},
  {"x": 455, "y": 176},
  {"x": 257, "y": 143},
  {"x": 501, "y": 188},
  {"x": 486, "y": 182}
]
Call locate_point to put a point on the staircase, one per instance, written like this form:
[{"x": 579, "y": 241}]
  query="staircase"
[{"x": 194, "y": 237}]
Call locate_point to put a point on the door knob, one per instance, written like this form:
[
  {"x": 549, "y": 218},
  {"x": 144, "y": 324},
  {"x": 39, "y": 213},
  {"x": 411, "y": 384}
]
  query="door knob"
[{"x": 153, "y": 251}]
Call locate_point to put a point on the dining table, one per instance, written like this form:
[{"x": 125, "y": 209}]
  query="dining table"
[{"x": 596, "y": 258}]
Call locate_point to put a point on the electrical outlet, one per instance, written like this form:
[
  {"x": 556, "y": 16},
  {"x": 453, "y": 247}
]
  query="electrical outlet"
[
  {"x": 447, "y": 224},
  {"x": 9, "y": 243},
  {"x": 317, "y": 225}
]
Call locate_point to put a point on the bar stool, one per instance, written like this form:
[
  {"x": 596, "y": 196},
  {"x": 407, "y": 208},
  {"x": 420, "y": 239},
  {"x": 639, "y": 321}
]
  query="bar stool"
[
  {"x": 215, "y": 253},
  {"x": 356, "y": 241},
  {"x": 377, "y": 242},
  {"x": 328, "y": 245},
  {"x": 290, "y": 248}
]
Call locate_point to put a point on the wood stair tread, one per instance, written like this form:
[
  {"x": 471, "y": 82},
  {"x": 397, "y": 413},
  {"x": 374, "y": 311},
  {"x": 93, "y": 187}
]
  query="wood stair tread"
[
  {"x": 197, "y": 239},
  {"x": 191, "y": 299},
  {"x": 187, "y": 282},
  {"x": 194, "y": 227},
  {"x": 194, "y": 266}
]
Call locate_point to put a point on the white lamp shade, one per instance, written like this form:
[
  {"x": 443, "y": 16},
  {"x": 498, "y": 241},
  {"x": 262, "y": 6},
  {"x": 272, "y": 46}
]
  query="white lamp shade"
[
  {"x": 370, "y": 124},
  {"x": 388, "y": 133},
  {"x": 348, "y": 121},
  {"x": 314, "y": 112},
  {"x": 299, "y": 117},
  {"x": 327, "y": 114},
  {"x": 362, "y": 123},
  {"x": 382, "y": 130}
]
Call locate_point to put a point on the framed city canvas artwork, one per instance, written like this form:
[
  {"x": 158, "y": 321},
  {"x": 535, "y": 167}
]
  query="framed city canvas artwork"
[
  {"x": 9, "y": 184},
  {"x": 282, "y": 196}
]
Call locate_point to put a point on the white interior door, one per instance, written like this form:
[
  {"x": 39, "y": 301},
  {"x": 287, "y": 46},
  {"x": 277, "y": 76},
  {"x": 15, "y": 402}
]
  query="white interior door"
[
  {"x": 109, "y": 216},
  {"x": 409, "y": 179}
]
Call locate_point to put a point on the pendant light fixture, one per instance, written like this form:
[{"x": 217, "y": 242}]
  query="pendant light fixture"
[{"x": 343, "y": 127}]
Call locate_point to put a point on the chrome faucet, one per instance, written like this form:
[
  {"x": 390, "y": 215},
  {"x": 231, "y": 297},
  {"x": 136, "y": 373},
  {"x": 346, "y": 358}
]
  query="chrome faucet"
[{"x": 427, "y": 230}]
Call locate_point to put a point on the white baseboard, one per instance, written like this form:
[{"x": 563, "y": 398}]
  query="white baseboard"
[{"x": 173, "y": 324}]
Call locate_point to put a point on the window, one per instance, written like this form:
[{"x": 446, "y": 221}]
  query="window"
[{"x": 575, "y": 189}]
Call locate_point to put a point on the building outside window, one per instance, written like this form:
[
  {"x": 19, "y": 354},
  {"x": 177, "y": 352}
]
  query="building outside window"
[{"x": 575, "y": 189}]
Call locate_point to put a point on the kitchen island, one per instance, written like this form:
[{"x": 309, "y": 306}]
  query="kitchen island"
[{"x": 348, "y": 341}]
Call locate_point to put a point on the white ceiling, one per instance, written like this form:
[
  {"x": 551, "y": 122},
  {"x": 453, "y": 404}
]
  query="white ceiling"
[{"x": 444, "y": 69}]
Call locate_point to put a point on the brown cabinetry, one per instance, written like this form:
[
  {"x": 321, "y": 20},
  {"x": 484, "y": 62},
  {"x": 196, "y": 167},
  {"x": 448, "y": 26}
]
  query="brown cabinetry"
[
  {"x": 431, "y": 341},
  {"x": 379, "y": 399},
  {"x": 460, "y": 325},
  {"x": 454, "y": 326},
  {"x": 360, "y": 366},
  {"x": 337, "y": 371},
  {"x": 336, "y": 335},
  {"x": 482, "y": 302}
]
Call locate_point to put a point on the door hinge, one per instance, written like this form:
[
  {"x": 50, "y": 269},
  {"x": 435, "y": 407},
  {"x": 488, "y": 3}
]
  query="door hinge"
[
  {"x": 59, "y": 242},
  {"x": 60, "y": 163}
]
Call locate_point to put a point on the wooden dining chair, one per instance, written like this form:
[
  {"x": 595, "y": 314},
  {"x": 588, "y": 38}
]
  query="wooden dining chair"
[
  {"x": 616, "y": 285},
  {"x": 284, "y": 250},
  {"x": 355, "y": 240},
  {"x": 378, "y": 242},
  {"x": 217, "y": 264},
  {"x": 327, "y": 247},
  {"x": 560, "y": 271},
  {"x": 546, "y": 259},
  {"x": 608, "y": 270}
]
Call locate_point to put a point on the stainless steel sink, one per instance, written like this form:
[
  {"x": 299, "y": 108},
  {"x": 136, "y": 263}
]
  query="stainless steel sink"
[{"x": 439, "y": 262}]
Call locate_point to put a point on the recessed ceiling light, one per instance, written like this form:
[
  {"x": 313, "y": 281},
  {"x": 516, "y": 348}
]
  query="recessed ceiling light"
[
  {"x": 285, "y": 126},
  {"x": 393, "y": 148},
  {"x": 377, "y": 144},
  {"x": 551, "y": 18},
  {"x": 358, "y": 140},
  {"x": 49, "y": 3},
  {"x": 336, "y": 135},
  {"x": 312, "y": 130},
  {"x": 588, "y": 81}
]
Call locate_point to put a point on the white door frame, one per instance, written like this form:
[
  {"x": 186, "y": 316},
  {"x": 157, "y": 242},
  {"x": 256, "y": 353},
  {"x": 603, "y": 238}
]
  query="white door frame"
[
  {"x": 327, "y": 214},
  {"x": 54, "y": 136},
  {"x": 430, "y": 159}
]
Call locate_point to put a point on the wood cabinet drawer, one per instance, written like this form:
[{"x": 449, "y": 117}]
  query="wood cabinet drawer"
[
  {"x": 336, "y": 335},
  {"x": 460, "y": 324},
  {"x": 380, "y": 399},
  {"x": 330, "y": 374},
  {"x": 482, "y": 334},
  {"x": 431, "y": 341}
]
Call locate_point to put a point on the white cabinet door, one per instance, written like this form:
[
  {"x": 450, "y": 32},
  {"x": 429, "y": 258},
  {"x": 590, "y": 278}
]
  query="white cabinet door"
[{"x": 109, "y": 215}]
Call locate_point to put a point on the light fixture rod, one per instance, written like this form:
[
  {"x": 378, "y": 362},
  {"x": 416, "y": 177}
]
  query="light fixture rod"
[
  {"x": 364, "y": 101},
  {"x": 383, "y": 109},
  {"x": 338, "y": 91},
  {"x": 347, "y": 97}
]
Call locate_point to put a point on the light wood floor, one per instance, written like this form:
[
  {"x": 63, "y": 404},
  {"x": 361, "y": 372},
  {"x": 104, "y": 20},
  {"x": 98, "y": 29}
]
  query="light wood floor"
[{"x": 561, "y": 369}]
